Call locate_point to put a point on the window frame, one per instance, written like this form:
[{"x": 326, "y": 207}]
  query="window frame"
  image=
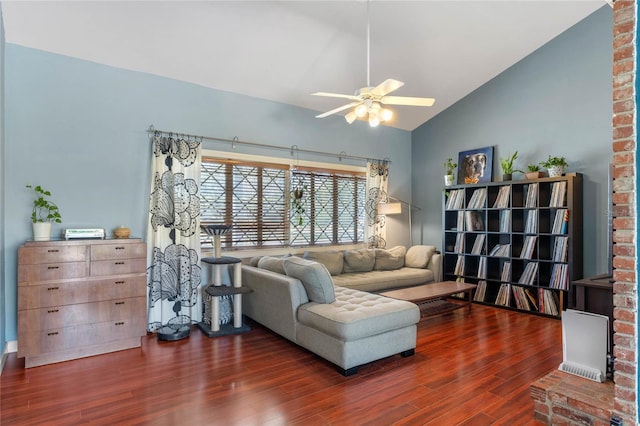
[{"x": 287, "y": 165}]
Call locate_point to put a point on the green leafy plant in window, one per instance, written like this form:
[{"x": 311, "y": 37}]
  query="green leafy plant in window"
[{"x": 297, "y": 202}]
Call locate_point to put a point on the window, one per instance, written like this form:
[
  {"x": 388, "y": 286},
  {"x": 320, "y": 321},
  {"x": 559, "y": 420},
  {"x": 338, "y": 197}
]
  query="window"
[{"x": 255, "y": 198}]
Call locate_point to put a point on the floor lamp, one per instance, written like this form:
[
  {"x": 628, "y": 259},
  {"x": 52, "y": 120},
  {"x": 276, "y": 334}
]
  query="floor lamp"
[{"x": 393, "y": 206}]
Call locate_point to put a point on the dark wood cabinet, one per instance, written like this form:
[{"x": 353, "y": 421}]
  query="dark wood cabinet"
[
  {"x": 595, "y": 295},
  {"x": 80, "y": 298},
  {"x": 520, "y": 241}
]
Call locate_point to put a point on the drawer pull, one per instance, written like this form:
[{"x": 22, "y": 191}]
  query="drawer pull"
[
  {"x": 55, "y": 333},
  {"x": 119, "y": 303},
  {"x": 53, "y": 267},
  {"x": 53, "y": 288},
  {"x": 52, "y": 311},
  {"x": 120, "y": 323},
  {"x": 119, "y": 282},
  {"x": 119, "y": 248},
  {"x": 53, "y": 251},
  {"x": 119, "y": 263}
]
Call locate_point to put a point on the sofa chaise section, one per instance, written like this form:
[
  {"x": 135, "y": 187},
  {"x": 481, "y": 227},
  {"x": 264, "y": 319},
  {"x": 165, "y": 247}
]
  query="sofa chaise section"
[{"x": 354, "y": 329}]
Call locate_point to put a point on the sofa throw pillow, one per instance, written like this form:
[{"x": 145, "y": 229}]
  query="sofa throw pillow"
[
  {"x": 314, "y": 277},
  {"x": 254, "y": 261},
  {"x": 419, "y": 256},
  {"x": 391, "y": 259},
  {"x": 273, "y": 264},
  {"x": 359, "y": 260},
  {"x": 333, "y": 260}
]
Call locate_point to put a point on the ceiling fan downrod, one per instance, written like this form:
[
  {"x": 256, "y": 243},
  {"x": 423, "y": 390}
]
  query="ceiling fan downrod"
[{"x": 368, "y": 46}]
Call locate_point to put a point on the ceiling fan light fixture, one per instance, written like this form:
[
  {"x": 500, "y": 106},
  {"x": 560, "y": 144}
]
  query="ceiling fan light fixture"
[
  {"x": 368, "y": 100},
  {"x": 361, "y": 110},
  {"x": 386, "y": 114}
]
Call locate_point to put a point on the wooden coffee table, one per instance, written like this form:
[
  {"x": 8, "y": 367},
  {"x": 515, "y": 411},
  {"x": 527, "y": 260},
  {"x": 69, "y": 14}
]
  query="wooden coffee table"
[{"x": 431, "y": 297}]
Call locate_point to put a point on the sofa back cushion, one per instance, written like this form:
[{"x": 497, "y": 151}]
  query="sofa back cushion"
[
  {"x": 314, "y": 276},
  {"x": 419, "y": 256},
  {"x": 391, "y": 259},
  {"x": 273, "y": 264},
  {"x": 333, "y": 260},
  {"x": 359, "y": 260}
]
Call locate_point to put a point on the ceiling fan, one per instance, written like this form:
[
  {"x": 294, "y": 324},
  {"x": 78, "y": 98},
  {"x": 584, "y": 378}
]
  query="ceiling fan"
[{"x": 368, "y": 101}]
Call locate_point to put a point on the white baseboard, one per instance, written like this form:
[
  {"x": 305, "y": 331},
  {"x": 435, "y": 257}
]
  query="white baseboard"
[{"x": 9, "y": 347}]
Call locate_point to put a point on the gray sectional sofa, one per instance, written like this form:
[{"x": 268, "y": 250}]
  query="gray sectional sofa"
[{"x": 300, "y": 299}]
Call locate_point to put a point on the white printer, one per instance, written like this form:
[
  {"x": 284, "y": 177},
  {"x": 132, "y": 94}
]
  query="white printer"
[{"x": 83, "y": 234}]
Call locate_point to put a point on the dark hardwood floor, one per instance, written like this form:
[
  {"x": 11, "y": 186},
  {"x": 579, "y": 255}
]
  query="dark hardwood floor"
[{"x": 468, "y": 370}]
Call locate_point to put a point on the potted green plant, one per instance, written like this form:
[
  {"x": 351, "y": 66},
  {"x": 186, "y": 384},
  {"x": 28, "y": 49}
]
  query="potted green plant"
[
  {"x": 298, "y": 203},
  {"x": 555, "y": 165},
  {"x": 43, "y": 214},
  {"x": 449, "y": 168},
  {"x": 533, "y": 171},
  {"x": 507, "y": 166}
]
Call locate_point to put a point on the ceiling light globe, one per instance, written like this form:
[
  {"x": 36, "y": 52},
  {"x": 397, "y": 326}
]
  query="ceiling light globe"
[
  {"x": 374, "y": 121},
  {"x": 386, "y": 114},
  {"x": 361, "y": 110}
]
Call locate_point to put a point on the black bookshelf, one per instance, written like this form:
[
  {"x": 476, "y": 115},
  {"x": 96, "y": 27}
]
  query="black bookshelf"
[{"x": 520, "y": 241}]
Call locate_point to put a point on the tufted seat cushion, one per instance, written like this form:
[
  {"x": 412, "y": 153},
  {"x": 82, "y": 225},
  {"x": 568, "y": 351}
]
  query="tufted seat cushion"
[{"x": 357, "y": 314}]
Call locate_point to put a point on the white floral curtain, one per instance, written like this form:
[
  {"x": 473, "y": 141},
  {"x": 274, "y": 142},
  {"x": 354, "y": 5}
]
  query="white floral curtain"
[
  {"x": 173, "y": 237},
  {"x": 376, "y": 186}
]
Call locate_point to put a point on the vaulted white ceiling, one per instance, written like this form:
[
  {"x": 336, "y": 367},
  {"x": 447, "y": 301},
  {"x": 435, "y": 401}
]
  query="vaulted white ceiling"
[{"x": 286, "y": 50}]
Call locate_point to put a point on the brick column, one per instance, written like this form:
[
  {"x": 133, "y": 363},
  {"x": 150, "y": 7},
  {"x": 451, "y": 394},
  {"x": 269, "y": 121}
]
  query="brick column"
[{"x": 625, "y": 289}]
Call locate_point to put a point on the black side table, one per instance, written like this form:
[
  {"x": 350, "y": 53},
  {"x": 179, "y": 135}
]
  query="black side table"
[{"x": 595, "y": 295}]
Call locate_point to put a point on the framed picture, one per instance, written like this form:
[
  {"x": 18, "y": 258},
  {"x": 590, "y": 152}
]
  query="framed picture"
[{"x": 475, "y": 166}]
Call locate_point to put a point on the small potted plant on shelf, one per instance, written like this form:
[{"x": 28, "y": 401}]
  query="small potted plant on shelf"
[
  {"x": 533, "y": 171},
  {"x": 507, "y": 166},
  {"x": 555, "y": 165},
  {"x": 449, "y": 168},
  {"x": 43, "y": 214}
]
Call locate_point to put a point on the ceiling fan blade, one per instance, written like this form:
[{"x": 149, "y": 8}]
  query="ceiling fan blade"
[
  {"x": 387, "y": 86},
  {"x": 336, "y": 95},
  {"x": 407, "y": 100},
  {"x": 342, "y": 108}
]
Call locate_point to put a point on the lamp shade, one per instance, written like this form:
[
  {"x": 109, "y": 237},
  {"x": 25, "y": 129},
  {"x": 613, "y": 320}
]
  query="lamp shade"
[{"x": 389, "y": 208}]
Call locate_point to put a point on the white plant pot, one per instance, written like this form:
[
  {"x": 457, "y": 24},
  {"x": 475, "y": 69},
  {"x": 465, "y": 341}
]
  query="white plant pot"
[
  {"x": 41, "y": 231},
  {"x": 448, "y": 180},
  {"x": 555, "y": 171}
]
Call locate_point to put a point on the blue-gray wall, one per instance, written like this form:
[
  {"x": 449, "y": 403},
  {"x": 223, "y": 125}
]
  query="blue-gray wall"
[
  {"x": 79, "y": 129},
  {"x": 556, "y": 101},
  {"x": 3, "y": 314}
]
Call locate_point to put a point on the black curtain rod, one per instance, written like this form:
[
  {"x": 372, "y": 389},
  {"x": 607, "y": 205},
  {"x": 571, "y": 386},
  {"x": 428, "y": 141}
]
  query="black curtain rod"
[{"x": 293, "y": 149}]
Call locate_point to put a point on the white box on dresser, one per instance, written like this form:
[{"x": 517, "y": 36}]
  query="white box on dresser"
[{"x": 80, "y": 298}]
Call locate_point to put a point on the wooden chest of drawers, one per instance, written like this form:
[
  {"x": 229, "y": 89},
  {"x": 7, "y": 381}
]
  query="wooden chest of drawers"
[{"x": 80, "y": 298}]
